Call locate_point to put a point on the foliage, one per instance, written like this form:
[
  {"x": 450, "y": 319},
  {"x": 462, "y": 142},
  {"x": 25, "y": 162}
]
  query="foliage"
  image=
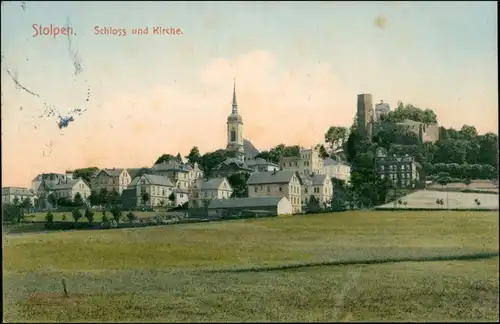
[
  {"x": 194, "y": 155},
  {"x": 52, "y": 199},
  {"x": 94, "y": 198},
  {"x": 178, "y": 158},
  {"x": 341, "y": 195},
  {"x": 335, "y": 136},
  {"x": 165, "y": 158},
  {"x": 322, "y": 152},
  {"x": 89, "y": 215},
  {"x": 114, "y": 198},
  {"x": 104, "y": 216},
  {"x": 278, "y": 152},
  {"x": 313, "y": 205},
  {"x": 131, "y": 217},
  {"x": 403, "y": 112},
  {"x": 145, "y": 197},
  {"x": 11, "y": 213},
  {"x": 78, "y": 201},
  {"x": 171, "y": 197},
  {"x": 238, "y": 182},
  {"x": 77, "y": 214},
  {"x": 85, "y": 173},
  {"x": 211, "y": 160},
  {"x": 117, "y": 214}
]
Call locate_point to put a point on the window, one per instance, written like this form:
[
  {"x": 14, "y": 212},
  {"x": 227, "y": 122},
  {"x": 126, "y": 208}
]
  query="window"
[
  {"x": 256, "y": 189},
  {"x": 281, "y": 188},
  {"x": 163, "y": 192},
  {"x": 181, "y": 195},
  {"x": 233, "y": 135},
  {"x": 305, "y": 190},
  {"x": 268, "y": 189}
]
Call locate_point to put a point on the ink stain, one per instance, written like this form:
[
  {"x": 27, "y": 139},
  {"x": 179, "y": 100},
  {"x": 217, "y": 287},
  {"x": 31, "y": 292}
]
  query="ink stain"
[
  {"x": 15, "y": 79},
  {"x": 380, "y": 22},
  {"x": 73, "y": 54}
]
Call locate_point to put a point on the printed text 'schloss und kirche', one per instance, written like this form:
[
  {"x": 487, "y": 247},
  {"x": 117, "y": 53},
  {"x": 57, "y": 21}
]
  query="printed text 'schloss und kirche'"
[{"x": 55, "y": 31}]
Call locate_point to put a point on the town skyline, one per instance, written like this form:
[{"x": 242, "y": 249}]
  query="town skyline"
[{"x": 178, "y": 93}]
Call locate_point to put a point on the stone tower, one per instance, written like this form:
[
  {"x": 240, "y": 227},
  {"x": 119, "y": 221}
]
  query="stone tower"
[
  {"x": 365, "y": 115},
  {"x": 235, "y": 130}
]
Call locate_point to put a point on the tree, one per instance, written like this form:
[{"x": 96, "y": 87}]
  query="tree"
[
  {"x": 178, "y": 158},
  {"x": 478, "y": 203},
  {"x": 49, "y": 219},
  {"x": 335, "y": 136},
  {"x": 52, "y": 199},
  {"x": 322, "y": 152},
  {"x": 94, "y": 198},
  {"x": 194, "y": 155},
  {"x": 403, "y": 112},
  {"x": 405, "y": 203},
  {"x": 89, "y": 215},
  {"x": 16, "y": 201},
  {"x": 211, "y": 160},
  {"x": 131, "y": 217},
  {"x": 467, "y": 181},
  {"x": 313, "y": 205},
  {"x": 77, "y": 214},
  {"x": 145, "y": 197},
  {"x": 78, "y": 201},
  {"x": 238, "y": 182},
  {"x": 11, "y": 213},
  {"x": 165, "y": 158},
  {"x": 104, "y": 196},
  {"x": 85, "y": 173},
  {"x": 117, "y": 214},
  {"x": 172, "y": 198},
  {"x": 114, "y": 198}
]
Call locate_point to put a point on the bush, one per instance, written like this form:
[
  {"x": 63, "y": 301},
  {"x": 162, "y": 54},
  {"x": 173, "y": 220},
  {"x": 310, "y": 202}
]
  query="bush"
[
  {"x": 89, "y": 215},
  {"x": 131, "y": 217},
  {"x": 104, "y": 217},
  {"x": 113, "y": 224},
  {"x": 49, "y": 218},
  {"x": 117, "y": 214},
  {"x": 77, "y": 214},
  {"x": 64, "y": 217}
]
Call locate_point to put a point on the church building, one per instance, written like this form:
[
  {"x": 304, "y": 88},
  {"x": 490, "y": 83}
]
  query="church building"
[{"x": 242, "y": 150}]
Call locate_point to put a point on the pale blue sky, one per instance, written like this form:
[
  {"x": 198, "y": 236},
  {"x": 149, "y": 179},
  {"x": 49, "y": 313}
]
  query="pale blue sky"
[{"x": 440, "y": 55}]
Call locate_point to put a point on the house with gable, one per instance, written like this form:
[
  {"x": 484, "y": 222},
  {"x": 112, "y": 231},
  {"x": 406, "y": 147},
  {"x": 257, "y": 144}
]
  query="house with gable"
[
  {"x": 277, "y": 184},
  {"x": 203, "y": 191}
]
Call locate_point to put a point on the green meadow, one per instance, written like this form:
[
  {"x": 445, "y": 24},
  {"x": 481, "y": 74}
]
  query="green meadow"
[{"x": 350, "y": 266}]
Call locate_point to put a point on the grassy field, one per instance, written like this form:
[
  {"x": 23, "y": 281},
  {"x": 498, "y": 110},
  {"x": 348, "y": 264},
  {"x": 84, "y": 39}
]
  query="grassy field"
[
  {"x": 166, "y": 273},
  {"x": 58, "y": 216}
]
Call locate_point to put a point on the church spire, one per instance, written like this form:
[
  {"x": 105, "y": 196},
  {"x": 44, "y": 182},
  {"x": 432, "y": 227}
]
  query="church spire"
[{"x": 235, "y": 104}]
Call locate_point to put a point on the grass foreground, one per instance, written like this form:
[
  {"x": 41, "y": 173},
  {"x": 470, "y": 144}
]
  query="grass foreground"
[{"x": 167, "y": 273}]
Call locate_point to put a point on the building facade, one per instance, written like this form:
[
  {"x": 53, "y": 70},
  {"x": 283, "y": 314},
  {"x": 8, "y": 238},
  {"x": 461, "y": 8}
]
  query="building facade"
[
  {"x": 250, "y": 206},
  {"x": 285, "y": 183},
  {"x": 150, "y": 190},
  {"x": 308, "y": 161},
  {"x": 400, "y": 170},
  {"x": 425, "y": 132},
  {"x": 337, "y": 169},
  {"x": 381, "y": 109},
  {"x": 203, "y": 191},
  {"x": 114, "y": 179},
  {"x": 13, "y": 195}
]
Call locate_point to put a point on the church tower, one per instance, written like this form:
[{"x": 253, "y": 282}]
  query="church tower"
[{"x": 235, "y": 130}]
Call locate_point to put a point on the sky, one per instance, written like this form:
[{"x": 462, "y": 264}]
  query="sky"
[{"x": 298, "y": 68}]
